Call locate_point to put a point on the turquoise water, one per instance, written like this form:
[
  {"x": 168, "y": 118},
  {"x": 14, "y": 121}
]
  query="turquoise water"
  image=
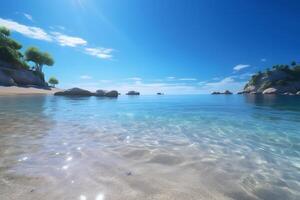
[{"x": 150, "y": 147}]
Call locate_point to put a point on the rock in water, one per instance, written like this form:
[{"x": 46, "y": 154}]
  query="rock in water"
[
  {"x": 74, "y": 92},
  {"x": 270, "y": 91},
  {"x": 227, "y": 92},
  {"x": 132, "y": 93},
  {"x": 298, "y": 93},
  {"x": 100, "y": 93},
  {"x": 112, "y": 93}
]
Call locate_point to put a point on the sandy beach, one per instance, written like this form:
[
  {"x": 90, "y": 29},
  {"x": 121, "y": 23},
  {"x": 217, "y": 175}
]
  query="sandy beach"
[{"x": 14, "y": 90}]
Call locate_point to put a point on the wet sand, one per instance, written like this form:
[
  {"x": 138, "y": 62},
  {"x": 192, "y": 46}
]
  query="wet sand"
[{"x": 14, "y": 90}]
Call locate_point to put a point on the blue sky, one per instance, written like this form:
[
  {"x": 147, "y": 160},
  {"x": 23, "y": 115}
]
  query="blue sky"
[{"x": 176, "y": 47}]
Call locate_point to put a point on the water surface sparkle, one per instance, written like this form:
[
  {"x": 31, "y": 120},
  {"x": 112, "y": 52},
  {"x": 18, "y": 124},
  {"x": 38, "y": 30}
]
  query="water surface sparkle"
[{"x": 150, "y": 147}]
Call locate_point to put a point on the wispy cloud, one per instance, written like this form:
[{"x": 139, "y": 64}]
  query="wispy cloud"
[
  {"x": 263, "y": 60},
  {"x": 227, "y": 83},
  {"x": 28, "y": 31},
  {"x": 187, "y": 79},
  {"x": 135, "y": 79},
  {"x": 85, "y": 77},
  {"x": 103, "y": 53},
  {"x": 65, "y": 40},
  {"x": 171, "y": 77},
  {"x": 58, "y": 37},
  {"x": 29, "y": 17},
  {"x": 240, "y": 67}
]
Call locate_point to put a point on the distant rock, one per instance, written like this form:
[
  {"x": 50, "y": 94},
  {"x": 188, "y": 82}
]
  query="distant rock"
[
  {"x": 160, "y": 93},
  {"x": 270, "y": 91},
  {"x": 132, "y": 93},
  {"x": 225, "y": 92},
  {"x": 74, "y": 92},
  {"x": 112, "y": 93},
  {"x": 100, "y": 93},
  {"x": 103, "y": 93},
  {"x": 298, "y": 93}
]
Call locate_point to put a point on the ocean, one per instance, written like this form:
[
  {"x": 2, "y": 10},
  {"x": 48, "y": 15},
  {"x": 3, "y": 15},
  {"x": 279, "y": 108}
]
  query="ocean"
[{"x": 242, "y": 147}]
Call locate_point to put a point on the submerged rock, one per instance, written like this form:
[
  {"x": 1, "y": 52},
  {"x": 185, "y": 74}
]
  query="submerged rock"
[
  {"x": 74, "y": 92},
  {"x": 132, "y": 93}
]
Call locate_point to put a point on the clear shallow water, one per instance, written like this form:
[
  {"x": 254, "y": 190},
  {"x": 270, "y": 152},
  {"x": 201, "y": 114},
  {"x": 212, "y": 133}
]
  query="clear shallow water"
[{"x": 150, "y": 147}]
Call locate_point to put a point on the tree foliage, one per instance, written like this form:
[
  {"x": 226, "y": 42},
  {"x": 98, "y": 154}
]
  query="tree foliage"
[
  {"x": 53, "y": 81},
  {"x": 39, "y": 58},
  {"x": 9, "y": 49}
]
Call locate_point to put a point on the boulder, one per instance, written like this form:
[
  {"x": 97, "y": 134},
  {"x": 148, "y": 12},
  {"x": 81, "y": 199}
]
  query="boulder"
[
  {"x": 74, "y": 92},
  {"x": 100, "y": 93},
  {"x": 103, "y": 93},
  {"x": 270, "y": 91},
  {"x": 112, "y": 93},
  {"x": 298, "y": 93},
  {"x": 289, "y": 93},
  {"x": 254, "y": 92},
  {"x": 132, "y": 93},
  {"x": 213, "y": 93}
]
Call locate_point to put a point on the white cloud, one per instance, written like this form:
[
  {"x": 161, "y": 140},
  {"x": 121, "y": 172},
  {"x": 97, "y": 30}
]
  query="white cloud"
[
  {"x": 28, "y": 31},
  {"x": 263, "y": 60},
  {"x": 187, "y": 79},
  {"x": 29, "y": 17},
  {"x": 240, "y": 66},
  {"x": 65, "y": 40},
  {"x": 227, "y": 83},
  {"x": 171, "y": 77},
  {"x": 85, "y": 77},
  {"x": 103, "y": 53},
  {"x": 135, "y": 79},
  {"x": 60, "y": 38}
]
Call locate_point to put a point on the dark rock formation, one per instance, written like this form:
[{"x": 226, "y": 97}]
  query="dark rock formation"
[
  {"x": 132, "y": 93},
  {"x": 160, "y": 93},
  {"x": 21, "y": 77},
  {"x": 103, "y": 93},
  {"x": 74, "y": 92},
  {"x": 225, "y": 92},
  {"x": 112, "y": 93}
]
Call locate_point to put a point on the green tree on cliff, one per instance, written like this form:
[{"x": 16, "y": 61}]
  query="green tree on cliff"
[
  {"x": 53, "y": 81},
  {"x": 9, "y": 50},
  {"x": 39, "y": 58}
]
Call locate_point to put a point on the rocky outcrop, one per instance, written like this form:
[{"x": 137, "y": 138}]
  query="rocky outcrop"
[
  {"x": 74, "y": 92},
  {"x": 270, "y": 91},
  {"x": 132, "y": 93},
  {"x": 20, "y": 77},
  {"x": 160, "y": 93},
  {"x": 298, "y": 93},
  {"x": 103, "y": 93},
  {"x": 279, "y": 80}
]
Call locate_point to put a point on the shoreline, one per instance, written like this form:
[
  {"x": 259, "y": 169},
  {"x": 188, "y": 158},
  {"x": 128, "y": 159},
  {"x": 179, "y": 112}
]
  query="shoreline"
[{"x": 15, "y": 90}]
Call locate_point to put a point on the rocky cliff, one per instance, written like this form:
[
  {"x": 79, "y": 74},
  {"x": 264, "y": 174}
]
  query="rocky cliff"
[
  {"x": 281, "y": 79},
  {"x": 21, "y": 77}
]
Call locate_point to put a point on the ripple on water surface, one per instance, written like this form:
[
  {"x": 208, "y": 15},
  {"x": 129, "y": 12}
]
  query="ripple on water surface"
[{"x": 192, "y": 147}]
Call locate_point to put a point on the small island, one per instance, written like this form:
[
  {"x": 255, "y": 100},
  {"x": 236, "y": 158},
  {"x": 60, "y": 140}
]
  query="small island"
[{"x": 281, "y": 79}]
